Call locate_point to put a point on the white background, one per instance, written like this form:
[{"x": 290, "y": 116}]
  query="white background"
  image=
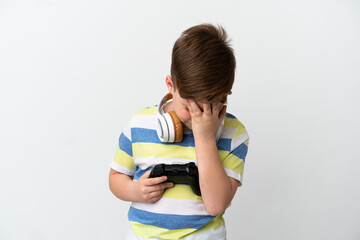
[{"x": 73, "y": 72}]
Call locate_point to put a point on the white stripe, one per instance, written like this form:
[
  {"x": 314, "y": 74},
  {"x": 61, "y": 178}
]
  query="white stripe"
[
  {"x": 146, "y": 162},
  {"x": 228, "y": 132},
  {"x": 233, "y": 174},
  {"x": 212, "y": 234},
  {"x": 127, "y": 133},
  {"x": 144, "y": 121},
  {"x": 122, "y": 169},
  {"x": 173, "y": 206},
  {"x": 130, "y": 235},
  {"x": 239, "y": 140},
  {"x": 149, "y": 122}
]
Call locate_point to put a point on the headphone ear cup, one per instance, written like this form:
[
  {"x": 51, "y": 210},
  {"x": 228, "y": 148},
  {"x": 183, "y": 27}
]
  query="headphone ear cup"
[
  {"x": 177, "y": 126},
  {"x": 162, "y": 129}
]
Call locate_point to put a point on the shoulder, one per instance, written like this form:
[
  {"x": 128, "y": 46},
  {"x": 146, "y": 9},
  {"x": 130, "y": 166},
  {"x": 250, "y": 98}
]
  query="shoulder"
[
  {"x": 144, "y": 113},
  {"x": 235, "y": 130},
  {"x": 230, "y": 121},
  {"x": 147, "y": 111},
  {"x": 143, "y": 119}
]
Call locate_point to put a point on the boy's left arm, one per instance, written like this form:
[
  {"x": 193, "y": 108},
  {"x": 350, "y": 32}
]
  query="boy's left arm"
[{"x": 217, "y": 189}]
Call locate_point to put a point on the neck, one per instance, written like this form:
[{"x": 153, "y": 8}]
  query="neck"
[{"x": 168, "y": 107}]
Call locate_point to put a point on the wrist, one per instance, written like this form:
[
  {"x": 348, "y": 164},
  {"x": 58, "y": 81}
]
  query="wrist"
[
  {"x": 205, "y": 131},
  {"x": 205, "y": 137},
  {"x": 136, "y": 193},
  {"x": 205, "y": 146}
]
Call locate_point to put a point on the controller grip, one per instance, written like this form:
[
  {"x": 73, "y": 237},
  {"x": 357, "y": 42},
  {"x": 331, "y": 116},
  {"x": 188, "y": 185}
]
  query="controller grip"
[
  {"x": 157, "y": 171},
  {"x": 196, "y": 188}
]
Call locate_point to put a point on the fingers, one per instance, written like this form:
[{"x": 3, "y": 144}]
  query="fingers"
[
  {"x": 151, "y": 189},
  {"x": 152, "y": 197},
  {"x": 160, "y": 187},
  {"x": 152, "y": 181},
  {"x": 223, "y": 112},
  {"x": 217, "y": 108},
  {"x": 194, "y": 108},
  {"x": 153, "y": 193},
  {"x": 155, "y": 181},
  {"x": 155, "y": 197},
  {"x": 207, "y": 108},
  {"x": 146, "y": 174}
]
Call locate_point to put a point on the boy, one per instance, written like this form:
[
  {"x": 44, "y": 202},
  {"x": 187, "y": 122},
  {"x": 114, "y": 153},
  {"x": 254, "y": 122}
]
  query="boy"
[{"x": 202, "y": 75}]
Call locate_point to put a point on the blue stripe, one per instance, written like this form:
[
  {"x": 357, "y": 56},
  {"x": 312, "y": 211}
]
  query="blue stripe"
[
  {"x": 224, "y": 144},
  {"x": 241, "y": 151},
  {"x": 168, "y": 221},
  {"x": 139, "y": 172},
  {"x": 145, "y": 135},
  {"x": 228, "y": 115},
  {"x": 125, "y": 144}
]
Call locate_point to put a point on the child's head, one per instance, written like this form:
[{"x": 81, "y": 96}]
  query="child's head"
[{"x": 203, "y": 64}]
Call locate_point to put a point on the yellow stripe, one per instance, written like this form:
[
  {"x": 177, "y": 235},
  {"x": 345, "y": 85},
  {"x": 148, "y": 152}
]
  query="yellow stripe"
[
  {"x": 148, "y": 231},
  {"x": 181, "y": 191},
  {"x": 234, "y": 163},
  {"x": 239, "y": 132},
  {"x": 163, "y": 151},
  {"x": 168, "y": 151},
  {"x": 147, "y": 111},
  {"x": 216, "y": 222},
  {"x": 235, "y": 123},
  {"x": 232, "y": 123},
  {"x": 123, "y": 159},
  {"x": 223, "y": 154}
]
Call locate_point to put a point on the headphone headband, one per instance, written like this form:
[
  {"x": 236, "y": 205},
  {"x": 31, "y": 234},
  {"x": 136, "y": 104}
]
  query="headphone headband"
[{"x": 164, "y": 100}]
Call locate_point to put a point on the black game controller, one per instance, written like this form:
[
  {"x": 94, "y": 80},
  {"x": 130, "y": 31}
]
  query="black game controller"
[{"x": 179, "y": 173}]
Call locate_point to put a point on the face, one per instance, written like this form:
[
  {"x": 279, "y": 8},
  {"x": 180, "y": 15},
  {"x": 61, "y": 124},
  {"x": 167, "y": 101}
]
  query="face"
[{"x": 180, "y": 105}]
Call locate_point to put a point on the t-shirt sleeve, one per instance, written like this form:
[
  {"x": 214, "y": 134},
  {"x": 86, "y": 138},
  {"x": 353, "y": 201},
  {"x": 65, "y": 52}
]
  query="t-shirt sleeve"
[
  {"x": 123, "y": 159},
  {"x": 235, "y": 161}
]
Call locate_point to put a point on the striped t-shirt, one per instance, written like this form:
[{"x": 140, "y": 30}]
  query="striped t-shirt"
[{"x": 180, "y": 213}]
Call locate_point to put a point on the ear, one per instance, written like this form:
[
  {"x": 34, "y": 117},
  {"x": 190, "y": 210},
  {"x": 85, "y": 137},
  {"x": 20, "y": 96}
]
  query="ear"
[{"x": 169, "y": 84}]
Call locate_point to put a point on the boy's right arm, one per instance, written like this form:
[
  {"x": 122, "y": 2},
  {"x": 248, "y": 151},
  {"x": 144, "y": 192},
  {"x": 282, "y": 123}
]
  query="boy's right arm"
[{"x": 147, "y": 190}]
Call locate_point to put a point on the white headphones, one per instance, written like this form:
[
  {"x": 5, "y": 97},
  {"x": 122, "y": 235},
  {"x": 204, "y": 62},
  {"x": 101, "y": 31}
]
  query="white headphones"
[{"x": 168, "y": 125}]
